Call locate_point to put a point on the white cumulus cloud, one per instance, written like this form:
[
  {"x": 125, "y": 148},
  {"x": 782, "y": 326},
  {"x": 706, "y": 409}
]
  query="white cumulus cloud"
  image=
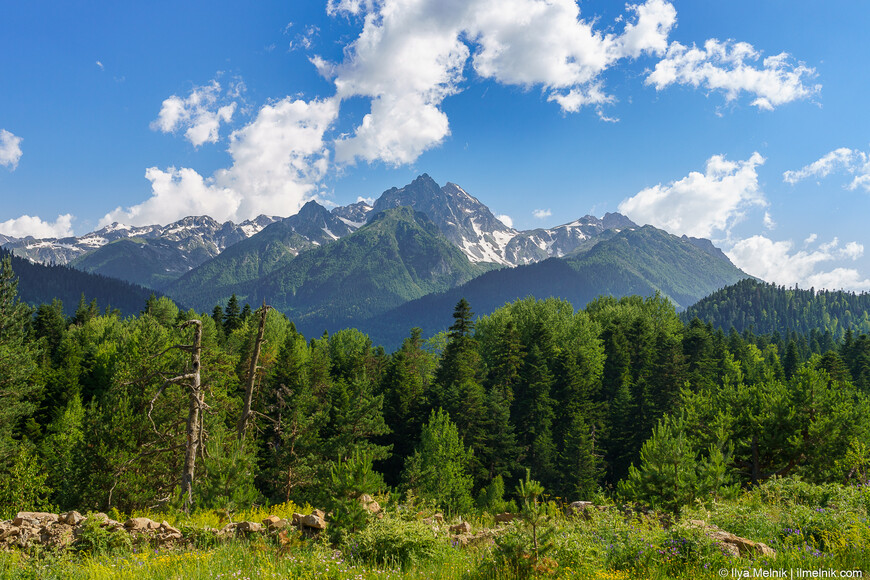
[
  {"x": 277, "y": 160},
  {"x": 778, "y": 262},
  {"x": 200, "y": 114},
  {"x": 700, "y": 203},
  {"x": 542, "y": 213},
  {"x": 410, "y": 56},
  {"x": 731, "y": 67},
  {"x": 10, "y": 149},
  {"x": 843, "y": 160},
  {"x": 27, "y": 225},
  {"x": 505, "y": 219},
  {"x": 176, "y": 193}
]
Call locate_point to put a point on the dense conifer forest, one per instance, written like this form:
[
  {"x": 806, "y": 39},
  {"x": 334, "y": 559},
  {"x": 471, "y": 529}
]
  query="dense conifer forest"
[
  {"x": 767, "y": 308},
  {"x": 620, "y": 398}
]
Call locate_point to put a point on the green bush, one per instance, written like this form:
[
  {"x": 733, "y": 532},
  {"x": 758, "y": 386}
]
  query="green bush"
[
  {"x": 393, "y": 541},
  {"x": 96, "y": 540}
]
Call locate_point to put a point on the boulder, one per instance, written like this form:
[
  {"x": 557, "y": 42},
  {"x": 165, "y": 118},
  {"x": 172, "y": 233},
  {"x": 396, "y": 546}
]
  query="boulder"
[
  {"x": 369, "y": 504},
  {"x": 297, "y": 519},
  {"x": 314, "y": 521},
  {"x": 732, "y": 544},
  {"x": 273, "y": 523},
  {"x": 249, "y": 527},
  {"x": 34, "y": 518},
  {"x": 228, "y": 531},
  {"x": 461, "y": 528},
  {"x": 505, "y": 517},
  {"x": 168, "y": 529},
  {"x": 438, "y": 518},
  {"x": 141, "y": 525},
  {"x": 72, "y": 518}
]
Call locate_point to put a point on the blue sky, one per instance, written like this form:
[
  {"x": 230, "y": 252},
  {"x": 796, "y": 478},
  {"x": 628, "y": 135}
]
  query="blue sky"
[{"x": 743, "y": 122}]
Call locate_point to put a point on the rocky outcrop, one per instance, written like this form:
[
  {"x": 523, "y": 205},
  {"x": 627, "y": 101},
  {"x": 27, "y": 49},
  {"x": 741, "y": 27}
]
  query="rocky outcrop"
[
  {"x": 731, "y": 544},
  {"x": 59, "y": 531}
]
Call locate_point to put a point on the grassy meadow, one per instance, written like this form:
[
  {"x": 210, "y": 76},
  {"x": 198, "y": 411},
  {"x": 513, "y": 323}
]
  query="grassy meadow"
[{"x": 811, "y": 527}]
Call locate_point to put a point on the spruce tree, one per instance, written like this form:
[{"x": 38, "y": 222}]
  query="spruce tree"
[
  {"x": 458, "y": 389},
  {"x": 19, "y": 385},
  {"x": 232, "y": 315},
  {"x": 438, "y": 469}
]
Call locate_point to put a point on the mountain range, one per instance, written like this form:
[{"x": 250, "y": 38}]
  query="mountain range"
[
  {"x": 404, "y": 260},
  {"x": 146, "y": 255}
]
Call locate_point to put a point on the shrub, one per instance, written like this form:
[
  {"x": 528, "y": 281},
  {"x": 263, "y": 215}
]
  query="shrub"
[
  {"x": 393, "y": 541},
  {"x": 95, "y": 539}
]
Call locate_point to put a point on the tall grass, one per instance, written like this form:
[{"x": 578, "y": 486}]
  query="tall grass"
[{"x": 810, "y": 527}]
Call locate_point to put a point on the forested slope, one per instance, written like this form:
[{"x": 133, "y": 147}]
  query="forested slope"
[
  {"x": 768, "y": 308},
  {"x": 41, "y": 284}
]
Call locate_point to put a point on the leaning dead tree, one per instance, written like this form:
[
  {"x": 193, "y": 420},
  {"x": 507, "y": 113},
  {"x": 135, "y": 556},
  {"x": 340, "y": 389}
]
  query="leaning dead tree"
[
  {"x": 252, "y": 373},
  {"x": 196, "y": 403}
]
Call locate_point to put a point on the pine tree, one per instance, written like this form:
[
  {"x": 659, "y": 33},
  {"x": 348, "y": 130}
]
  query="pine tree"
[{"x": 666, "y": 477}]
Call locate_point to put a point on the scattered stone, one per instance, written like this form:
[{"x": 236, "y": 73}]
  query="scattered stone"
[
  {"x": 166, "y": 528},
  {"x": 505, "y": 518},
  {"x": 438, "y": 518},
  {"x": 369, "y": 504},
  {"x": 273, "y": 523},
  {"x": 141, "y": 524},
  {"x": 249, "y": 527},
  {"x": 72, "y": 518},
  {"x": 314, "y": 521},
  {"x": 460, "y": 541},
  {"x": 228, "y": 531},
  {"x": 57, "y": 535},
  {"x": 461, "y": 528}
]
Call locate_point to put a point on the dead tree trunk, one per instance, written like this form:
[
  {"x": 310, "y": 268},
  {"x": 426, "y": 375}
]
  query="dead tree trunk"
[
  {"x": 194, "y": 413},
  {"x": 252, "y": 374}
]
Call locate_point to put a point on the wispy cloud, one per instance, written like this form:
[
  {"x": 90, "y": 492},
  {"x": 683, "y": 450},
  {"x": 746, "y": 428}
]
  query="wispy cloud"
[
  {"x": 200, "y": 113},
  {"x": 732, "y": 68},
  {"x": 843, "y": 160},
  {"x": 542, "y": 213}
]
